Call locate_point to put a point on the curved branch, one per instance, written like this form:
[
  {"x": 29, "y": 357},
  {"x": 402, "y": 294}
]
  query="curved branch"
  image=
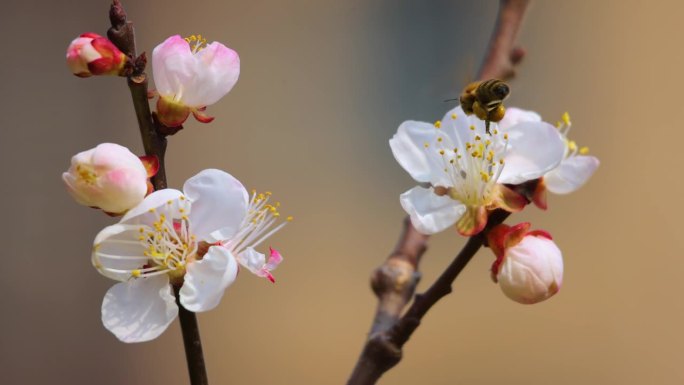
[{"x": 394, "y": 282}]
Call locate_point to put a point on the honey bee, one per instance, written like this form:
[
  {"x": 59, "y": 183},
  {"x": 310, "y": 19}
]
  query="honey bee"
[{"x": 485, "y": 100}]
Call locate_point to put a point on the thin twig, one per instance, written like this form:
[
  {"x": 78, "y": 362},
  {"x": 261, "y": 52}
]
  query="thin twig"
[
  {"x": 395, "y": 281},
  {"x": 122, "y": 35}
]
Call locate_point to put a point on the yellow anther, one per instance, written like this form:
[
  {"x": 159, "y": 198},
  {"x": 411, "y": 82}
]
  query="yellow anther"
[
  {"x": 181, "y": 211},
  {"x": 141, "y": 238},
  {"x": 441, "y": 152},
  {"x": 506, "y": 136},
  {"x": 488, "y": 142},
  {"x": 559, "y": 124},
  {"x": 141, "y": 230},
  {"x": 501, "y": 161},
  {"x": 453, "y": 116},
  {"x": 458, "y": 157},
  {"x": 426, "y": 144},
  {"x": 468, "y": 145},
  {"x": 169, "y": 202},
  {"x": 184, "y": 217},
  {"x": 496, "y": 132},
  {"x": 566, "y": 118},
  {"x": 135, "y": 273},
  {"x": 438, "y": 124},
  {"x": 276, "y": 215},
  {"x": 584, "y": 150},
  {"x": 475, "y": 154},
  {"x": 456, "y": 150},
  {"x": 477, "y": 137},
  {"x": 472, "y": 127},
  {"x": 451, "y": 161},
  {"x": 572, "y": 146},
  {"x": 268, "y": 193},
  {"x": 182, "y": 197},
  {"x": 150, "y": 210},
  {"x": 440, "y": 139},
  {"x": 290, "y": 219}
]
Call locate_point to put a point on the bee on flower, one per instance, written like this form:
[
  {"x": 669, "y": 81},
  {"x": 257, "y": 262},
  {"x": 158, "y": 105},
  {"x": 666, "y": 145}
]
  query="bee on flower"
[{"x": 464, "y": 171}]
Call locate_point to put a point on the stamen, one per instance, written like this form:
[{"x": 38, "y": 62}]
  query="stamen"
[{"x": 197, "y": 43}]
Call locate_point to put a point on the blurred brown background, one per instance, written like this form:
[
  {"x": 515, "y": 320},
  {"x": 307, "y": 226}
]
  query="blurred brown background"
[{"x": 324, "y": 85}]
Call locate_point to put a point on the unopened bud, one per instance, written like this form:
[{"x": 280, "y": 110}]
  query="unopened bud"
[
  {"x": 91, "y": 54},
  {"x": 529, "y": 265},
  {"x": 109, "y": 177}
]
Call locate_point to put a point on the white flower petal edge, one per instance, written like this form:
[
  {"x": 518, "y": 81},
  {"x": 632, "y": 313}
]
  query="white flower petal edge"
[
  {"x": 571, "y": 174},
  {"x": 429, "y": 212},
  {"x": 408, "y": 149},
  {"x": 534, "y": 148},
  {"x": 207, "y": 279},
  {"x": 139, "y": 310},
  {"x": 219, "y": 203}
]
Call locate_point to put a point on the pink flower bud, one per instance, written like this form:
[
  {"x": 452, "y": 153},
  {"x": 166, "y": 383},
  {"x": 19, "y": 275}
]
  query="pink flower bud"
[
  {"x": 190, "y": 75},
  {"x": 529, "y": 265},
  {"x": 109, "y": 177},
  {"x": 91, "y": 54}
]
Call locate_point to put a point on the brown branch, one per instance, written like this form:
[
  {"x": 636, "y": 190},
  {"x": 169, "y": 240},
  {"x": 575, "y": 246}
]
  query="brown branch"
[
  {"x": 395, "y": 281},
  {"x": 122, "y": 35},
  {"x": 503, "y": 55}
]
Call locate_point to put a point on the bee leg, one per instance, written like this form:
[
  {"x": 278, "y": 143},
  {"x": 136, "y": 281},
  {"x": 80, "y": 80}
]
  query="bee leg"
[{"x": 487, "y": 126}]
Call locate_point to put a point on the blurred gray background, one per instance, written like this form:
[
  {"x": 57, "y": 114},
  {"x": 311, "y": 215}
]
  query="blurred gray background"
[{"x": 324, "y": 85}]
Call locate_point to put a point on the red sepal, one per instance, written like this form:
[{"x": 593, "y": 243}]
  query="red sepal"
[
  {"x": 201, "y": 117},
  {"x": 502, "y": 237},
  {"x": 540, "y": 233},
  {"x": 539, "y": 195},
  {"x": 151, "y": 163}
]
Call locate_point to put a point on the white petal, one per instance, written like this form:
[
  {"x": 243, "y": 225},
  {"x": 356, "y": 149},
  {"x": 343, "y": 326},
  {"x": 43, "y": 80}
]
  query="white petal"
[
  {"x": 173, "y": 66},
  {"x": 253, "y": 260},
  {"x": 207, "y": 279},
  {"x": 429, "y": 212},
  {"x": 219, "y": 204},
  {"x": 408, "y": 148},
  {"x": 140, "y": 214},
  {"x": 571, "y": 174},
  {"x": 218, "y": 69},
  {"x": 515, "y": 115},
  {"x": 117, "y": 247},
  {"x": 139, "y": 310},
  {"x": 534, "y": 148},
  {"x": 459, "y": 130}
]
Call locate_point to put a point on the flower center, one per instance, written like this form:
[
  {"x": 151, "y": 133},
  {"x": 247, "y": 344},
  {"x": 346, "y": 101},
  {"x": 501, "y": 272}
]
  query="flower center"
[
  {"x": 197, "y": 43},
  {"x": 168, "y": 243},
  {"x": 472, "y": 160},
  {"x": 86, "y": 174},
  {"x": 263, "y": 220}
]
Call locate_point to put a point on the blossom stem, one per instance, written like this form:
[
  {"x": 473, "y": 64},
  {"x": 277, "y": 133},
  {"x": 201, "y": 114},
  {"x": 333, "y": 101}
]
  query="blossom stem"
[
  {"x": 192, "y": 343},
  {"x": 122, "y": 35}
]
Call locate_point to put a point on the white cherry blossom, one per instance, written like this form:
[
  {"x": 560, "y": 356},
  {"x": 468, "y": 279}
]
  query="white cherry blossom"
[
  {"x": 462, "y": 170},
  {"x": 192, "y": 240},
  {"x": 189, "y": 75}
]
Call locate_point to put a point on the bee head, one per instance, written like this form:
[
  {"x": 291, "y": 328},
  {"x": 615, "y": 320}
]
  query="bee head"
[{"x": 501, "y": 90}]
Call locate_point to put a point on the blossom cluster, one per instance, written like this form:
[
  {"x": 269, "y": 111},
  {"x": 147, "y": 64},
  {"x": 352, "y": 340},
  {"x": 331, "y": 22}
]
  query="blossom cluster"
[
  {"x": 170, "y": 248},
  {"x": 465, "y": 172}
]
